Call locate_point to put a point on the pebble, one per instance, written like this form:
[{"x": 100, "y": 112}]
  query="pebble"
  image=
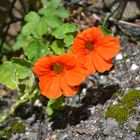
[
  {"x": 115, "y": 102},
  {"x": 119, "y": 57},
  {"x": 134, "y": 67},
  {"x": 37, "y": 103},
  {"x": 92, "y": 110}
]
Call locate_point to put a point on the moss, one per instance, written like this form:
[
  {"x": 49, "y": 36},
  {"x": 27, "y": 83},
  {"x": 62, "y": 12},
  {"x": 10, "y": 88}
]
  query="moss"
[
  {"x": 125, "y": 107},
  {"x": 15, "y": 127},
  {"x": 130, "y": 98},
  {"x": 118, "y": 113},
  {"x": 18, "y": 126},
  {"x": 138, "y": 129}
]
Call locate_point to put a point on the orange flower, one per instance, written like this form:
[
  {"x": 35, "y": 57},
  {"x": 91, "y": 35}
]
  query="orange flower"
[
  {"x": 95, "y": 50},
  {"x": 58, "y": 75}
]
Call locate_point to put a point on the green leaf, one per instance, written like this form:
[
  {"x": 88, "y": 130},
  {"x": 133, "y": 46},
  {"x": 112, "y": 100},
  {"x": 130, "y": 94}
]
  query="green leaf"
[
  {"x": 44, "y": 3},
  {"x": 23, "y": 67},
  {"x": 32, "y": 16},
  {"x": 49, "y": 11},
  {"x": 64, "y": 29},
  {"x": 8, "y": 75},
  {"x": 59, "y": 33},
  {"x": 69, "y": 28},
  {"x": 54, "y": 11},
  {"x": 22, "y": 61},
  {"x": 68, "y": 40},
  {"x": 35, "y": 24},
  {"x": 55, "y": 3},
  {"x": 2, "y": 117},
  {"x": 54, "y": 104},
  {"x": 22, "y": 42},
  {"x": 63, "y": 13},
  {"x": 106, "y": 31},
  {"x": 28, "y": 28},
  {"x": 54, "y": 21},
  {"x": 42, "y": 26},
  {"x": 36, "y": 49},
  {"x": 58, "y": 47}
]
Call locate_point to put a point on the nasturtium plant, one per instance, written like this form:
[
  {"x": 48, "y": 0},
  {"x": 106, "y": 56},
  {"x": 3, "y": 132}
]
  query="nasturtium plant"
[{"x": 56, "y": 55}]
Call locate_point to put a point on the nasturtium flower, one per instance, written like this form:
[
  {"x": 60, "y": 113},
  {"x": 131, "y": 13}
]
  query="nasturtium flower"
[
  {"x": 94, "y": 50},
  {"x": 58, "y": 75}
]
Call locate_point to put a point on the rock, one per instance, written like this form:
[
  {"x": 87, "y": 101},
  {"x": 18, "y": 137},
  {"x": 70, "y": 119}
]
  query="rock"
[
  {"x": 109, "y": 125},
  {"x": 92, "y": 110},
  {"x": 125, "y": 9},
  {"x": 133, "y": 124},
  {"x": 134, "y": 67},
  {"x": 119, "y": 57}
]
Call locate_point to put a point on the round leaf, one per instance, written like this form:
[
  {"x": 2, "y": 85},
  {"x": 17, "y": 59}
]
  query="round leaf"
[
  {"x": 58, "y": 47},
  {"x": 36, "y": 49},
  {"x": 32, "y": 16},
  {"x": 68, "y": 40},
  {"x": 8, "y": 75},
  {"x": 23, "y": 67}
]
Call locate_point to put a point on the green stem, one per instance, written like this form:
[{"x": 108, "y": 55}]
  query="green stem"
[
  {"x": 14, "y": 107},
  {"x": 106, "y": 19}
]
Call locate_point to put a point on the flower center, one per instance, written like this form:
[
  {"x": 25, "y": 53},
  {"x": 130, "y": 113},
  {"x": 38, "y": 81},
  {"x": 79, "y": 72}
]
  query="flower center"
[
  {"x": 57, "y": 68},
  {"x": 89, "y": 46}
]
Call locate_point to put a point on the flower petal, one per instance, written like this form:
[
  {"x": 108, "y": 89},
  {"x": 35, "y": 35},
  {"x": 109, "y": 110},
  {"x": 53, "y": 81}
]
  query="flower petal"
[
  {"x": 91, "y": 34},
  {"x": 100, "y": 64},
  {"x": 76, "y": 76},
  {"x": 108, "y": 47},
  {"x": 43, "y": 66},
  {"x": 50, "y": 87},
  {"x": 67, "y": 90},
  {"x": 88, "y": 63}
]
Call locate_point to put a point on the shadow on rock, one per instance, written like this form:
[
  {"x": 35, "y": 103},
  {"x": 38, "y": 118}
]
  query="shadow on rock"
[{"x": 73, "y": 115}]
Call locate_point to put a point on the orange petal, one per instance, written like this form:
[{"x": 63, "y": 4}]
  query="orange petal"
[
  {"x": 67, "y": 90},
  {"x": 40, "y": 71},
  {"x": 43, "y": 81},
  {"x": 51, "y": 88},
  {"x": 91, "y": 34},
  {"x": 100, "y": 64},
  {"x": 78, "y": 46},
  {"x": 68, "y": 60},
  {"x": 88, "y": 63},
  {"x": 75, "y": 76},
  {"x": 108, "y": 47},
  {"x": 42, "y": 66}
]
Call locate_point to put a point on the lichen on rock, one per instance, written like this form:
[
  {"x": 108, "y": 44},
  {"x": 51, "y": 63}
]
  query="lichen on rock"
[
  {"x": 16, "y": 126},
  {"x": 125, "y": 106}
]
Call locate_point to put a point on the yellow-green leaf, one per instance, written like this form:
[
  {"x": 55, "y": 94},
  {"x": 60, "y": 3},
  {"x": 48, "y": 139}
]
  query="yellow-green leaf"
[
  {"x": 58, "y": 47},
  {"x": 8, "y": 75}
]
